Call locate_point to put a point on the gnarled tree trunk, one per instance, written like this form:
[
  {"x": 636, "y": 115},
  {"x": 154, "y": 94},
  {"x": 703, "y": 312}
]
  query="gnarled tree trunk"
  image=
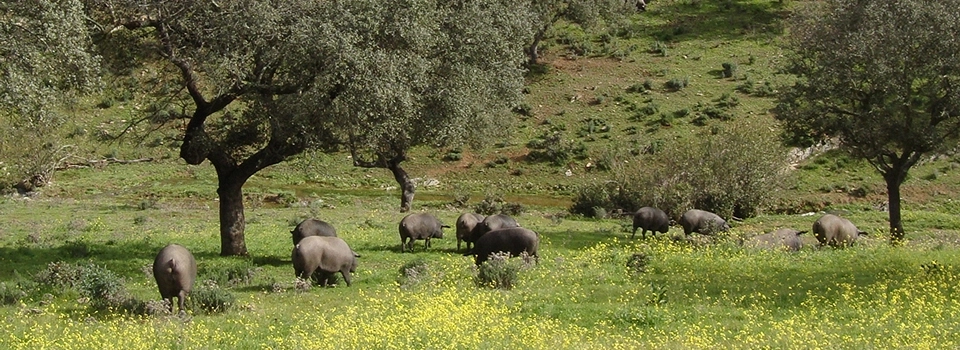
[{"x": 407, "y": 187}]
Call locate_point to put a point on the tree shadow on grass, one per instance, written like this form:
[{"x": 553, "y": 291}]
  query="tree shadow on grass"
[
  {"x": 124, "y": 258},
  {"x": 718, "y": 19}
]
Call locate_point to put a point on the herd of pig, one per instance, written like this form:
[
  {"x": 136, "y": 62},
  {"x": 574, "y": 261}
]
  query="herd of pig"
[{"x": 318, "y": 250}]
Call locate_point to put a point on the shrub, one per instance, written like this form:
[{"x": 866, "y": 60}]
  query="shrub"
[
  {"x": 731, "y": 172},
  {"x": 11, "y": 293},
  {"x": 592, "y": 196},
  {"x": 491, "y": 204},
  {"x": 523, "y": 109},
  {"x": 677, "y": 84},
  {"x": 551, "y": 147},
  {"x": 232, "y": 275},
  {"x": 729, "y": 69},
  {"x": 413, "y": 272},
  {"x": 461, "y": 198},
  {"x": 636, "y": 88},
  {"x": 658, "y": 48},
  {"x": 453, "y": 156},
  {"x": 501, "y": 272},
  {"x": 104, "y": 288},
  {"x": 513, "y": 209},
  {"x": 637, "y": 263},
  {"x": 209, "y": 298}
]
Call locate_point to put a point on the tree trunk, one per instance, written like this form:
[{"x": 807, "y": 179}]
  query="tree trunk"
[
  {"x": 894, "y": 180},
  {"x": 232, "y": 222},
  {"x": 407, "y": 187},
  {"x": 532, "y": 50}
]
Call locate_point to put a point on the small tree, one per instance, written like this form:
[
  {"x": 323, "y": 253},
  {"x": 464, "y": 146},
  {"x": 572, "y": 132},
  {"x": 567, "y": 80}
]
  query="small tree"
[{"x": 880, "y": 77}]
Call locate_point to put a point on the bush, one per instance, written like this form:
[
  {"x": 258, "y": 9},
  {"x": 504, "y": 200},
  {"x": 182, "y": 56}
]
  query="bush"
[
  {"x": 209, "y": 298},
  {"x": 491, "y": 204},
  {"x": 501, "y": 272},
  {"x": 453, "y": 156},
  {"x": 11, "y": 293},
  {"x": 413, "y": 272},
  {"x": 677, "y": 84},
  {"x": 104, "y": 288},
  {"x": 590, "y": 196},
  {"x": 729, "y": 69},
  {"x": 550, "y": 147},
  {"x": 731, "y": 172},
  {"x": 637, "y": 264},
  {"x": 232, "y": 275}
]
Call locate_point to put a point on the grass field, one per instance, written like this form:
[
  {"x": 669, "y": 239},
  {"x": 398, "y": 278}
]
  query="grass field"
[{"x": 594, "y": 287}]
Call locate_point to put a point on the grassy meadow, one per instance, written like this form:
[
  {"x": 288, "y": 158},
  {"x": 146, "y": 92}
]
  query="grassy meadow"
[{"x": 594, "y": 287}]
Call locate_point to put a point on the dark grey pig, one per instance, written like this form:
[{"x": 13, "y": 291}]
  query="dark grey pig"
[
  {"x": 490, "y": 223},
  {"x": 835, "y": 231},
  {"x": 514, "y": 240},
  {"x": 325, "y": 256},
  {"x": 175, "y": 270},
  {"x": 312, "y": 227},
  {"x": 702, "y": 222},
  {"x": 465, "y": 224},
  {"x": 784, "y": 238},
  {"x": 650, "y": 218},
  {"x": 420, "y": 226}
]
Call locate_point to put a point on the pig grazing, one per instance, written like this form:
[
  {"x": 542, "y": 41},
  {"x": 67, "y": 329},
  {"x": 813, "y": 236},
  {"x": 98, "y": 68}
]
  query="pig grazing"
[
  {"x": 650, "y": 218},
  {"x": 312, "y": 227},
  {"x": 175, "y": 270},
  {"x": 490, "y": 223},
  {"x": 784, "y": 238},
  {"x": 419, "y": 226},
  {"x": 324, "y": 255},
  {"x": 514, "y": 240},
  {"x": 702, "y": 222},
  {"x": 835, "y": 231},
  {"x": 465, "y": 224}
]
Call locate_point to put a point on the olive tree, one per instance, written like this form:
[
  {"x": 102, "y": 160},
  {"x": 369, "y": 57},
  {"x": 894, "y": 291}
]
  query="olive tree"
[
  {"x": 448, "y": 76},
  {"x": 45, "y": 58},
  {"x": 265, "y": 80},
  {"x": 881, "y": 78}
]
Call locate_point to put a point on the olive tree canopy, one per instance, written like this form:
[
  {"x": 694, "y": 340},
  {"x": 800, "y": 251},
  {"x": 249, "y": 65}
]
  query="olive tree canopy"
[
  {"x": 266, "y": 80},
  {"x": 44, "y": 56},
  {"x": 583, "y": 12},
  {"x": 882, "y": 78},
  {"x": 447, "y": 76}
]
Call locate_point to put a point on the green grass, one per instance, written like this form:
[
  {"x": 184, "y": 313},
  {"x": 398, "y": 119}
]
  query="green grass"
[
  {"x": 581, "y": 294},
  {"x": 693, "y": 294}
]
